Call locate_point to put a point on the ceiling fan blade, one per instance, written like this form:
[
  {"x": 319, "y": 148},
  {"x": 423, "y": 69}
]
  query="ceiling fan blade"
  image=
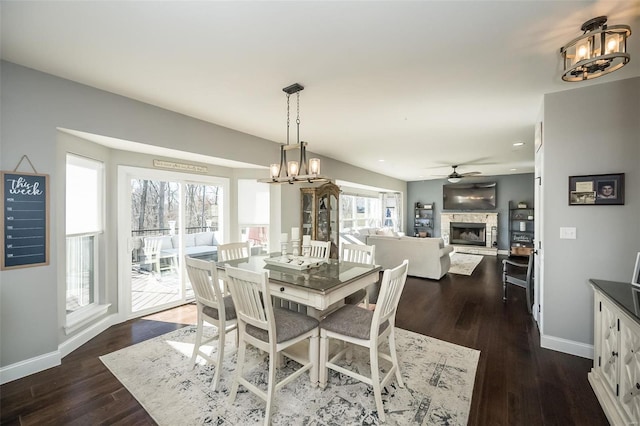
[{"x": 470, "y": 173}]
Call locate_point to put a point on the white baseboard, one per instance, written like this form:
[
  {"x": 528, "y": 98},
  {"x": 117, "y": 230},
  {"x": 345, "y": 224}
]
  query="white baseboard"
[
  {"x": 42, "y": 362},
  {"x": 567, "y": 346},
  {"x": 70, "y": 345},
  {"x": 504, "y": 252},
  {"x": 33, "y": 365}
]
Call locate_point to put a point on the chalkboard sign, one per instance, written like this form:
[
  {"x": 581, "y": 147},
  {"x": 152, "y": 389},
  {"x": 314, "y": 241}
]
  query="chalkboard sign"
[{"x": 25, "y": 220}]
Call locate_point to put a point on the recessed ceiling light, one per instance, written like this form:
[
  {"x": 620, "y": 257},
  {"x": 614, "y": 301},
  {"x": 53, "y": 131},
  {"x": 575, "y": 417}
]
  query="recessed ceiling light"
[
  {"x": 513, "y": 170},
  {"x": 518, "y": 143},
  {"x": 381, "y": 161}
]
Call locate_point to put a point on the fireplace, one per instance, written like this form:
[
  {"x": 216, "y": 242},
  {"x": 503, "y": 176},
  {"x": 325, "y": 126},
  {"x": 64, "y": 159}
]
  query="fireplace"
[
  {"x": 467, "y": 233},
  {"x": 482, "y": 225}
]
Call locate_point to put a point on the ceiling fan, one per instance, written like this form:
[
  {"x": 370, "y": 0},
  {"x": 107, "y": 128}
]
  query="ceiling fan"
[{"x": 456, "y": 177}]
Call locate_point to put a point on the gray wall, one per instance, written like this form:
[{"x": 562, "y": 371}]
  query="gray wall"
[
  {"x": 508, "y": 188},
  {"x": 591, "y": 130},
  {"x": 33, "y": 106}
]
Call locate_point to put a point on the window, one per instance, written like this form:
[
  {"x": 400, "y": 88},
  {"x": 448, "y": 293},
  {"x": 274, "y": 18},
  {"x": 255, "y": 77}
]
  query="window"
[
  {"x": 253, "y": 214},
  {"x": 392, "y": 213},
  {"x": 359, "y": 211},
  {"x": 84, "y": 225}
]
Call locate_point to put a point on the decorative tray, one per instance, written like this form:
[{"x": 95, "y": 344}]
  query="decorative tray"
[{"x": 299, "y": 263}]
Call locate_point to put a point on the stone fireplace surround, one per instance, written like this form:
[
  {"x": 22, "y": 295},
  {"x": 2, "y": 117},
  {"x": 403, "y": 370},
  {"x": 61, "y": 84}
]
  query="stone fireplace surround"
[{"x": 489, "y": 219}]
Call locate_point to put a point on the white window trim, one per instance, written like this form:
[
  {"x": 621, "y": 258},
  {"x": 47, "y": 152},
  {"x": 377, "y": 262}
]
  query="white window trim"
[
  {"x": 84, "y": 316},
  {"x": 88, "y": 314}
]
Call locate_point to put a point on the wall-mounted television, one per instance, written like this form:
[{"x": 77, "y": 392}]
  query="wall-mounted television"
[{"x": 469, "y": 196}]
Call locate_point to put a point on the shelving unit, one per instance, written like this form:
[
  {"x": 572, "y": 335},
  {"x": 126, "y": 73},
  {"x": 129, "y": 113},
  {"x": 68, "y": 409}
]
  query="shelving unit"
[
  {"x": 423, "y": 220},
  {"x": 521, "y": 227},
  {"x": 320, "y": 214}
]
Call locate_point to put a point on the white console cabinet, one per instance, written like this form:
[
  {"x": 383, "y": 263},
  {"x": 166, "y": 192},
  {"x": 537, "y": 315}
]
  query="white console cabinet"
[{"x": 615, "y": 376}]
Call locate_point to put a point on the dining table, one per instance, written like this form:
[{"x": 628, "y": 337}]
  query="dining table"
[
  {"x": 321, "y": 289},
  {"x": 316, "y": 291}
]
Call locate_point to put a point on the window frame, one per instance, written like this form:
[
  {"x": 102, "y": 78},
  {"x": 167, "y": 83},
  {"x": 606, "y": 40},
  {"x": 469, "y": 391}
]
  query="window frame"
[{"x": 88, "y": 313}]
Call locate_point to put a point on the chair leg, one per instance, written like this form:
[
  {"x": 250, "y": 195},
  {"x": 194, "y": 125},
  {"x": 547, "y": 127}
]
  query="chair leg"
[
  {"x": 271, "y": 385},
  {"x": 324, "y": 357},
  {"x": 528, "y": 290},
  {"x": 313, "y": 350},
  {"x": 394, "y": 357},
  {"x": 196, "y": 346},
  {"x": 239, "y": 365},
  {"x": 375, "y": 378},
  {"x": 157, "y": 265},
  {"x": 504, "y": 282},
  {"x": 216, "y": 377}
]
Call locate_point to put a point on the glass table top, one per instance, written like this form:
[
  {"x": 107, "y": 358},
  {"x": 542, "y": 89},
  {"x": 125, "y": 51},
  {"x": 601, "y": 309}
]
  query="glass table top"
[{"x": 322, "y": 279}]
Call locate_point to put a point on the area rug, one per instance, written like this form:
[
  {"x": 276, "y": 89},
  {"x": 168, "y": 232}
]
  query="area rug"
[
  {"x": 438, "y": 378},
  {"x": 464, "y": 264}
]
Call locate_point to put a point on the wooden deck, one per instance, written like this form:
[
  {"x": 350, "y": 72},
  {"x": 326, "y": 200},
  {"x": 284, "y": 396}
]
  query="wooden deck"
[{"x": 149, "y": 289}]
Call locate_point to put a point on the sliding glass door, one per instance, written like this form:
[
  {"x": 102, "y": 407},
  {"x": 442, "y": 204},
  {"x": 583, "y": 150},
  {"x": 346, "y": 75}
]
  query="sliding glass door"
[{"x": 170, "y": 215}]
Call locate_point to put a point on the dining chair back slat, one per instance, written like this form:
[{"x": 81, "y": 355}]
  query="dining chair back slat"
[
  {"x": 246, "y": 291},
  {"x": 358, "y": 253},
  {"x": 233, "y": 251},
  {"x": 204, "y": 281},
  {"x": 393, "y": 281},
  {"x": 320, "y": 249}
]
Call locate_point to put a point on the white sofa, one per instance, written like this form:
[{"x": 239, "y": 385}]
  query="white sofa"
[
  {"x": 359, "y": 236},
  {"x": 428, "y": 257}
]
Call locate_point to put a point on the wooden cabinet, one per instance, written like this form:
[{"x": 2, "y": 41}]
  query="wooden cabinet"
[
  {"x": 423, "y": 220},
  {"x": 521, "y": 229},
  {"x": 320, "y": 214},
  {"x": 615, "y": 376}
]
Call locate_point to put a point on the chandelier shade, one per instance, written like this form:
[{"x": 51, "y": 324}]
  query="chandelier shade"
[
  {"x": 600, "y": 50},
  {"x": 291, "y": 171}
]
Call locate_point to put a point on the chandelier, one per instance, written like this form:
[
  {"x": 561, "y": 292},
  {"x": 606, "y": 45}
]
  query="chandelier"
[
  {"x": 295, "y": 171},
  {"x": 599, "y": 51}
]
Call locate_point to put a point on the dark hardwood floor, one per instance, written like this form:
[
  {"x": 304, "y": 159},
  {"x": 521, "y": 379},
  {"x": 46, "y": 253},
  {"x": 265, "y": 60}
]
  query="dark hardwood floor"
[{"x": 517, "y": 382}]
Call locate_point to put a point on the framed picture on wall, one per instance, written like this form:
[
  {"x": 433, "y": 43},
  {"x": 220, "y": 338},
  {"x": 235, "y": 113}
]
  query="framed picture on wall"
[{"x": 596, "y": 189}]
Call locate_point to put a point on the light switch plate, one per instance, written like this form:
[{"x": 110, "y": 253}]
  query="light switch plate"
[{"x": 567, "y": 233}]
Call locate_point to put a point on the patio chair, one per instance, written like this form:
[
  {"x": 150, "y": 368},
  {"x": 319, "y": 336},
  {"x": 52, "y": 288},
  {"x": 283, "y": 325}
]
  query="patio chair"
[{"x": 151, "y": 249}]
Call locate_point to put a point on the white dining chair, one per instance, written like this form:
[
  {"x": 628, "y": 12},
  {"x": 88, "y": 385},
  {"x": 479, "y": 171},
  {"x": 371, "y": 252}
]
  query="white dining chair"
[
  {"x": 359, "y": 253},
  {"x": 270, "y": 329},
  {"x": 214, "y": 308},
  {"x": 233, "y": 251},
  {"x": 367, "y": 329},
  {"x": 320, "y": 249}
]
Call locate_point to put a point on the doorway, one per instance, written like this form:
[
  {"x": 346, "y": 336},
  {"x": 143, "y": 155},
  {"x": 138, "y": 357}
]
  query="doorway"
[{"x": 165, "y": 215}]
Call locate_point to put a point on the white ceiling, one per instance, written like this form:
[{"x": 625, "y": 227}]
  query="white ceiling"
[{"x": 420, "y": 85}]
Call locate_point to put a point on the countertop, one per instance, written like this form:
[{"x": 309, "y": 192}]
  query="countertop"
[{"x": 624, "y": 295}]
